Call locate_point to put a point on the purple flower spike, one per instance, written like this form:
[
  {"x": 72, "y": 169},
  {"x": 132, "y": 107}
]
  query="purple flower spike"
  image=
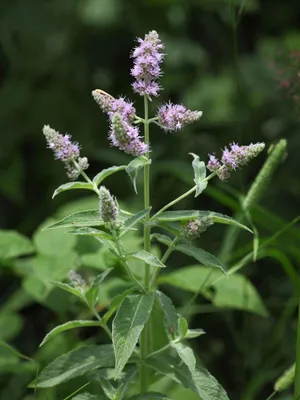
[
  {"x": 234, "y": 158},
  {"x": 61, "y": 146},
  {"x": 110, "y": 105},
  {"x": 126, "y": 137},
  {"x": 66, "y": 151},
  {"x": 173, "y": 117},
  {"x": 146, "y": 70}
]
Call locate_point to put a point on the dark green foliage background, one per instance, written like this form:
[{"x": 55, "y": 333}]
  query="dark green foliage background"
[{"x": 53, "y": 53}]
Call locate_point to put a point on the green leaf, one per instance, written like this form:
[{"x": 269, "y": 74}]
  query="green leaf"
[
  {"x": 107, "y": 172},
  {"x": 193, "y": 333},
  {"x": 47, "y": 242},
  {"x": 164, "y": 239},
  {"x": 70, "y": 289},
  {"x": 199, "y": 174},
  {"x": 86, "y": 396},
  {"x": 116, "y": 301},
  {"x": 108, "y": 389},
  {"x": 159, "y": 337},
  {"x": 92, "y": 294},
  {"x": 232, "y": 291},
  {"x": 83, "y": 219},
  {"x": 205, "y": 258},
  {"x": 86, "y": 231},
  {"x": 186, "y": 354},
  {"x": 128, "y": 325},
  {"x": 13, "y": 244},
  {"x": 134, "y": 167},
  {"x": 286, "y": 379},
  {"x": 183, "y": 327},
  {"x": 67, "y": 326},
  {"x": 72, "y": 185},
  {"x": 147, "y": 257},
  {"x": 75, "y": 363},
  {"x": 201, "y": 381},
  {"x": 170, "y": 315},
  {"x": 134, "y": 219},
  {"x": 122, "y": 389},
  {"x": 150, "y": 396},
  {"x": 186, "y": 215}
]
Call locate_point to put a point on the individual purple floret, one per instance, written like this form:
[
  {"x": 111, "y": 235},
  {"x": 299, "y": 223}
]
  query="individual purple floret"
[
  {"x": 234, "y": 158},
  {"x": 173, "y": 117},
  {"x": 147, "y": 59},
  {"x": 126, "y": 137},
  {"x": 110, "y": 105},
  {"x": 213, "y": 163},
  {"x": 61, "y": 145},
  {"x": 66, "y": 151}
]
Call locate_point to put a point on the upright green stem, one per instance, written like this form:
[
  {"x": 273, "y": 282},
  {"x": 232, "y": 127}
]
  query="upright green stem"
[
  {"x": 297, "y": 370},
  {"x": 144, "y": 339}
]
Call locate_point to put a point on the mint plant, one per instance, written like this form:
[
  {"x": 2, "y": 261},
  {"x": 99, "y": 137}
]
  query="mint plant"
[{"x": 148, "y": 335}]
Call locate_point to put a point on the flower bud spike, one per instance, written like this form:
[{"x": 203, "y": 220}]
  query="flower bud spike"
[{"x": 108, "y": 206}]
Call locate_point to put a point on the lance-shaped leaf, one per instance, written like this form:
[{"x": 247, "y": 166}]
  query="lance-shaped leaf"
[
  {"x": 170, "y": 315},
  {"x": 83, "y": 219},
  {"x": 205, "y": 258},
  {"x": 107, "y": 172},
  {"x": 186, "y": 215},
  {"x": 87, "y": 231},
  {"x": 73, "y": 185},
  {"x": 67, "y": 326},
  {"x": 134, "y": 167},
  {"x": 75, "y": 363},
  {"x": 199, "y": 174},
  {"x": 200, "y": 381},
  {"x": 128, "y": 325},
  {"x": 147, "y": 257},
  {"x": 133, "y": 220},
  {"x": 116, "y": 301},
  {"x": 70, "y": 289},
  {"x": 164, "y": 239}
]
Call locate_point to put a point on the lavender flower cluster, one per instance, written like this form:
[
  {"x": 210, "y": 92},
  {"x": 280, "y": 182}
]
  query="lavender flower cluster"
[
  {"x": 196, "y": 227},
  {"x": 122, "y": 114},
  {"x": 66, "y": 151},
  {"x": 234, "y": 158}
]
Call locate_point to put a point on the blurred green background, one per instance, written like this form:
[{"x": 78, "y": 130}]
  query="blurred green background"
[{"x": 237, "y": 61}]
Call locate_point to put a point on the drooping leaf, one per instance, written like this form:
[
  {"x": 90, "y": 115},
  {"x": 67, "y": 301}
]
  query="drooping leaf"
[
  {"x": 233, "y": 291},
  {"x": 107, "y": 172},
  {"x": 128, "y": 325},
  {"x": 199, "y": 174},
  {"x": 92, "y": 294},
  {"x": 72, "y": 185},
  {"x": 201, "y": 381},
  {"x": 205, "y": 258},
  {"x": 147, "y": 257},
  {"x": 170, "y": 315},
  {"x": 186, "y": 354},
  {"x": 134, "y": 167},
  {"x": 67, "y": 326},
  {"x": 133, "y": 220},
  {"x": 158, "y": 335},
  {"x": 164, "y": 239},
  {"x": 13, "y": 244},
  {"x": 116, "y": 301},
  {"x": 186, "y": 215},
  {"x": 75, "y": 363},
  {"x": 150, "y": 396}
]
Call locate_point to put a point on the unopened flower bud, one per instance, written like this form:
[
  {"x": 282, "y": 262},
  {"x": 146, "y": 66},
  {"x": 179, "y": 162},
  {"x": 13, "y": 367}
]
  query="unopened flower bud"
[
  {"x": 194, "y": 228},
  {"x": 83, "y": 163},
  {"x": 76, "y": 280},
  {"x": 72, "y": 172},
  {"x": 108, "y": 207}
]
